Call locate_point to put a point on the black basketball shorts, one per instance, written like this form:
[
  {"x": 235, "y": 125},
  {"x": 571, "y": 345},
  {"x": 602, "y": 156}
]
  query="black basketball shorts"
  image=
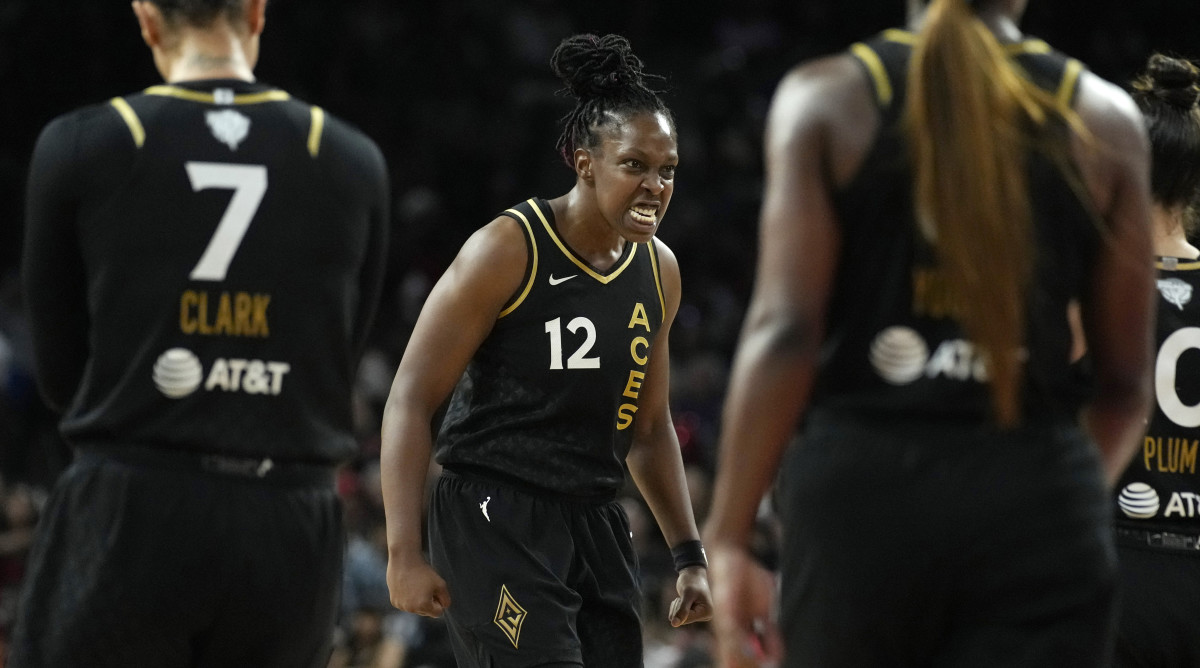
[
  {"x": 929, "y": 544},
  {"x": 167, "y": 565},
  {"x": 1160, "y": 607},
  {"x": 534, "y": 578}
]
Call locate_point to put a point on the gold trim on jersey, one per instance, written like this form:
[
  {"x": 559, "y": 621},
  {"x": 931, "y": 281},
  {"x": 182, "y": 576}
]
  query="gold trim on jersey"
[
  {"x": 898, "y": 35},
  {"x": 1179, "y": 266},
  {"x": 533, "y": 264},
  {"x": 209, "y": 98},
  {"x": 1066, "y": 87},
  {"x": 657, "y": 281},
  {"x": 315, "y": 129},
  {"x": 1031, "y": 45},
  {"x": 571, "y": 256},
  {"x": 131, "y": 119},
  {"x": 883, "y": 87}
]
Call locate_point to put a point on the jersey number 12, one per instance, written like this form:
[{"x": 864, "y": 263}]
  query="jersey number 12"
[{"x": 578, "y": 359}]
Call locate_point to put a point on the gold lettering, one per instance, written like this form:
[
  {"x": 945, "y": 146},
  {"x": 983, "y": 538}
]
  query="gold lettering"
[
  {"x": 224, "y": 324},
  {"x": 1170, "y": 455},
  {"x": 202, "y": 314},
  {"x": 261, "y": 302},
  {"x": 639, "y": 317},
  {"x": 634, "y": 384},
  {"x": 633, "y": 350},
  {"x": 1188, "y": 460},
  {"x": 242, "y": 305},
  {"x": 187, "y": 323},
  {"x": 625, "y": 415},
  {"x": 237, "y": 314}
]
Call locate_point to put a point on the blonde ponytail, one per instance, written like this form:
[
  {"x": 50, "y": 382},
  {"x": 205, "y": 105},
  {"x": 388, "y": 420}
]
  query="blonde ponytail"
[{"x": 970, "y": 116}]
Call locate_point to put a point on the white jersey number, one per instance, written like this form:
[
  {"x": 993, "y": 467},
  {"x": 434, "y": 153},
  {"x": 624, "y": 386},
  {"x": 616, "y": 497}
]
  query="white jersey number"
[
  {"x": 1172, "y": 349},
  {"x": 579, "y": 359},
  {"x": 249, "y": 184}
]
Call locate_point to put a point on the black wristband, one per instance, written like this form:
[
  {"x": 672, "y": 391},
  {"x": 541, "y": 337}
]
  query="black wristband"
[{"x": 689, "y": 553}]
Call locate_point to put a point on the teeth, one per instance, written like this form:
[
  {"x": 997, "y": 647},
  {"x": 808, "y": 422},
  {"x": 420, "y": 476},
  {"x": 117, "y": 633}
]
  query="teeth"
[{"x": 644, "y": 213}]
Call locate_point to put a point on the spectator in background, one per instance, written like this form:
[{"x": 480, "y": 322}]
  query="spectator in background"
[
  {"x": 934, "y": 201},
  {"x": 201, "y": 267}
]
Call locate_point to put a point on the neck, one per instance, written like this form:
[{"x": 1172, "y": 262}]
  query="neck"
[
  {"x": 997, "y": 16},
  {"x": 582, "y": 227},
  {"x": 207, "y": 54},
  {"x": 1170, "y": 238}
]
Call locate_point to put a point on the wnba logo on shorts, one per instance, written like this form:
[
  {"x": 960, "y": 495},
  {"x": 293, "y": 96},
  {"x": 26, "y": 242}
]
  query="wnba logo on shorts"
[{"x": 509, "y": 616}]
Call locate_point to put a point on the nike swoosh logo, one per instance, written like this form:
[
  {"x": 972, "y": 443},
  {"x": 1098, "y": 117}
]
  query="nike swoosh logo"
[{"x": 556, "y": 281}]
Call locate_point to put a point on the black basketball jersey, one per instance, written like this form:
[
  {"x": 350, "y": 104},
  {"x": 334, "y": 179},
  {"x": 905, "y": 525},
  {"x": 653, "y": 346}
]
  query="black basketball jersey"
[
  {"x": 202, "y": 262},
  {"x": 551, "y": 396},
  {"x": 893, "y": 348},
  {"x": 1160, "y": 488}
]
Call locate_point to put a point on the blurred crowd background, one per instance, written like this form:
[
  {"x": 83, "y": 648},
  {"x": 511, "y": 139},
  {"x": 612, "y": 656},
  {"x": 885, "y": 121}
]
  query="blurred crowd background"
[{"x": 460, "y": 97}]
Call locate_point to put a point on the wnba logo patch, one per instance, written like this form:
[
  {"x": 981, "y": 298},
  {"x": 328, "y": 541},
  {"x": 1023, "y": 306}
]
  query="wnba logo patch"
[{"x": 509, "y": 616}]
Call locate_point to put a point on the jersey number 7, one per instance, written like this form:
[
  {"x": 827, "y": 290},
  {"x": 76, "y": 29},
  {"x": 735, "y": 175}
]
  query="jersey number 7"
[{"x": 249, "y": 184}]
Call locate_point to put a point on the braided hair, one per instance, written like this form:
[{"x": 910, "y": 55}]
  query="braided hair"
[
  {"x": 199, "y": 13},
  {"x": 608, "y": 84}
]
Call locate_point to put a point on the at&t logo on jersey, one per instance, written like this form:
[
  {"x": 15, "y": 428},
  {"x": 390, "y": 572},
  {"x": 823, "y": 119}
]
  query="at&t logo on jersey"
[
  {"x": 900, "y": 356},
  {"x": 1140, "y": 501},
  {"x": 177, "y": 373}
]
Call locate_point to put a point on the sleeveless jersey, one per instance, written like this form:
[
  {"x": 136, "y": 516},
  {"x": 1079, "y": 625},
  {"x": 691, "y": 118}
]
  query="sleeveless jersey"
[
  {"x": 550, "y": 398},
  {"x": 1160, "y": 489},
  {"x": 202, "y": 263},
  {"x": 892, "y": 349}
]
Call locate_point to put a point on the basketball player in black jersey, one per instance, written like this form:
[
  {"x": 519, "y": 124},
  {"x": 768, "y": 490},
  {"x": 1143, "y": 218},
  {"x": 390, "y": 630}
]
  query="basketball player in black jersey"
[
  {"x": 935, "y": 199},
  {"x": 1158, "y": 496},
  {"x": 201, "y": 265},
  {"x": 550, "y": 327}
]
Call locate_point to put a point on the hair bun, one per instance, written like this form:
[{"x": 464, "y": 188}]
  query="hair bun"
[
  {"x": 592, "y": 66},
  {"x": 1172, "y": 80}
]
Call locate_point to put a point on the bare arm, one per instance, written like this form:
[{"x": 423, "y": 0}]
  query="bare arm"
[
  {"x": 1118, "y": 307},
  {"x": 776, "y": 358},
  {"x": 817, "y": 132},
  {"x": 654, "y": 459},
  {"x": 457, "y": 316}
]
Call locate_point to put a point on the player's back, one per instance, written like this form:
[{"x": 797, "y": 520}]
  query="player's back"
[{"x": 232, "y": 242}]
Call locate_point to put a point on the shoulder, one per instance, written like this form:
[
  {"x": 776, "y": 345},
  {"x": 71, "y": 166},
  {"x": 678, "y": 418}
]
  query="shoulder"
[
  {"x": 668, "y": 270},
  {"x": 343, "y": 137},
  {"x": 667, "y": 261},
  {"x": 825, "y": 111},
  {"x": 816, "y": 89},
  {"x": 1110, "y": 113},
  {"x": 499, "y": 244},
  {"x": 87, "y": 141},
  {"x": 98, "y": 121}
]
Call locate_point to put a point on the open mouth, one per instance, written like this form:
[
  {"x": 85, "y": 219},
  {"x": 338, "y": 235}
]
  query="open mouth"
[{"x": 647, "y": 215}]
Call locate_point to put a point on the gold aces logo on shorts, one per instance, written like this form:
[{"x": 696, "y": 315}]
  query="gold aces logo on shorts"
[{"x": 509, "y": 616}]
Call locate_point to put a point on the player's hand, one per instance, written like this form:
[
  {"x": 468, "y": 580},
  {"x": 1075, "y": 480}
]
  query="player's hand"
[
  {"x": 417, "y": 588},
  {"x": 743, "y": 593},
  {"x": 694, "y": 603}
]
